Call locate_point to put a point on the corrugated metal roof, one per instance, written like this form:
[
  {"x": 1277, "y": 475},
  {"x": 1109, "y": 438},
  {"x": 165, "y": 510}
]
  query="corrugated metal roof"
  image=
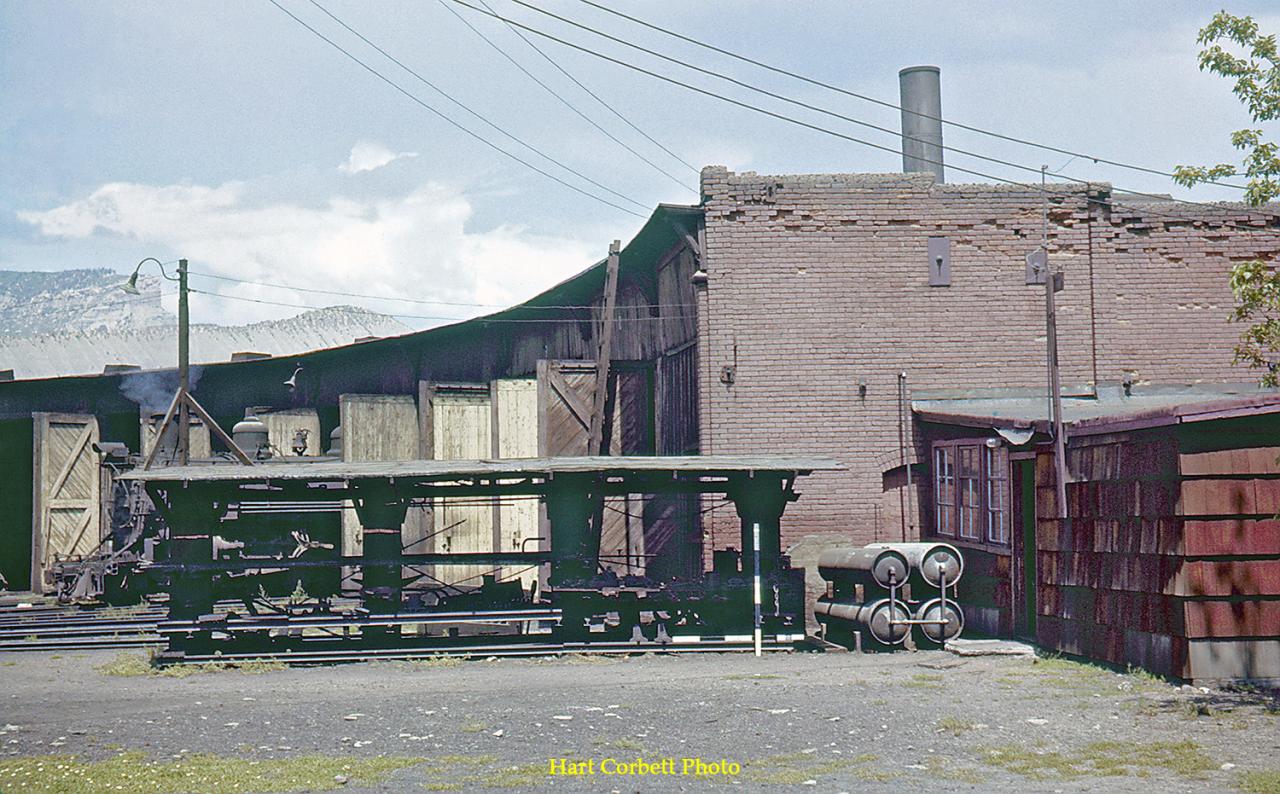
[{"x": 1109, "y": 409}]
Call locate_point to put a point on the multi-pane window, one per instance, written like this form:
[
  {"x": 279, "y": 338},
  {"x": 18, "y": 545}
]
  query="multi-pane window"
[
  {"x": 970, "y": 496},
  {"x": 996, "y": 465},
  {"x": 971, "y": 491},
  {"x": 944, "y": 489}
]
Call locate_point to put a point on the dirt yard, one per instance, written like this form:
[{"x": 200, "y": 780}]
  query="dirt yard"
[{"x": 822, "y": 722}]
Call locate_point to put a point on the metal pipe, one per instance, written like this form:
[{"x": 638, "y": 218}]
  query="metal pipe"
[
  {"x": 755, "y": 557},
  {"x": 921, "y": 100},
  {"x": 909, "y": 449},
  {"x": 1052, "y": 284}
]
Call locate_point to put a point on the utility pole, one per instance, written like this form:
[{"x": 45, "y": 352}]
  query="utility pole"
[
  {"x": 183, "y": 403},
  {"x": 1053, "y": 282},
  {"x": 184, "y": 367}
]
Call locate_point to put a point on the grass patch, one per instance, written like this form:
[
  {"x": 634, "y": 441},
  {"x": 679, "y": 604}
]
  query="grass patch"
[
  {"x": 1102, "y": 759},
  {"x": 131, "y": 665},
  {"x": 134, "y": 773},
  {"x": 955, "y": 726},
  {"x": 472, "y": 727},
  {"x": 793, "y": 769},
  {"x": 1193, "y": 709},
  {"x": 467, "y": 772},
  {"x": 924, "y": 681},
  {"x": 941, "y": 769},
  {"x": 753, "y": 677},
  {"x": 1266, "y": 781}
]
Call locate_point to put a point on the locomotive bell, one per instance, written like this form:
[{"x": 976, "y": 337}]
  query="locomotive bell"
[
  {"x": 251, "y": 435},
  {"x": 335, "y": 442}
]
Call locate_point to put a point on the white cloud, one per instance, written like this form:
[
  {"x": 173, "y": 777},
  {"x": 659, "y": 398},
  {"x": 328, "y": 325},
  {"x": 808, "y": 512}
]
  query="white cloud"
[
  {"x": 367, "y": 156},
  {"x": 414, "y": 245}
]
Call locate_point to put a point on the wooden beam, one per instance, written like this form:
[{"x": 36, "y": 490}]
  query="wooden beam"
[
  {"x": 604, "y": 354},
  {"x": 217, "y": 429},
  {"x": 164, "y": 423}
]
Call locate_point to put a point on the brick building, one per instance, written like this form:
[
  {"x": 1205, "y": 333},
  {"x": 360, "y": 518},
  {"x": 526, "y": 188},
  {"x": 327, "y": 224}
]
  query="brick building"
[{"x": 822, "y": 289}]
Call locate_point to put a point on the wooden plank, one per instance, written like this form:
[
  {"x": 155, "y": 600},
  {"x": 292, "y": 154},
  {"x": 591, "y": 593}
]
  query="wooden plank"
[
  {"x": 1253, "y": 460},
  {"x": 1244, "y": 619},
  {"x": 283, "y": 425},
  {"x": 560, "y": 387},
  {"x": 73, "y": 457},
  {"x": 516, "y": 436},
  {"x": 377, "y": 430},
  {"x": 604, "y": 355},
  {"x": 1232, "y": 536},
  {"x": 462, "y": 429}
]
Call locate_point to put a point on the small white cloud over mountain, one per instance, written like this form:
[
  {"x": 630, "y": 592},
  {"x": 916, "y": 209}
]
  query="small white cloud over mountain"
[{"x": 367, "y": 156}]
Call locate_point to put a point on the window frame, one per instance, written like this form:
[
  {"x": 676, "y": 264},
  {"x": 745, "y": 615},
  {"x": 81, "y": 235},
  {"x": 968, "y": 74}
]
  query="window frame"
[{"x": 967, "y": 498}]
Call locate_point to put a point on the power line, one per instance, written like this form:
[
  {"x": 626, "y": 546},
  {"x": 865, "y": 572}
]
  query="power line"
[
  {"x": 597, "y": 98},
  {"x": 564, "y": 101},
  {"x": 487, "y": 319},
  {"x": 864, "y": 142},
  {"x": 477, "y": 115},
  {"x": 811, "y": 107},
  {"x": 401, "y": 299},
  {"x": 414, "y": 98},
  {"x": 442, "y": 93},
  {"x": 874, "y": 100}
]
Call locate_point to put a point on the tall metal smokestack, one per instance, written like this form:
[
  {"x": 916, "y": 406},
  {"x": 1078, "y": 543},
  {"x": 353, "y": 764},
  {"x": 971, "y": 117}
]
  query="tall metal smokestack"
[{"x": 921, "y": 92}]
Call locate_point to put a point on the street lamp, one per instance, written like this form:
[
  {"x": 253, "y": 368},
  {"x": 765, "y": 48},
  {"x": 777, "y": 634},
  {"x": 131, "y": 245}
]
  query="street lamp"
[{"x": 183, "y": 403}]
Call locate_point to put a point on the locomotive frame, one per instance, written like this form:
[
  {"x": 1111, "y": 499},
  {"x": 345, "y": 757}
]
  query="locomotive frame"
[{"x": 738, "y": 605}]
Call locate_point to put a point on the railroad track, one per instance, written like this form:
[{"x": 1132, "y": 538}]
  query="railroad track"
[
  {"x": 533, "y": 648},
  {"x": 51, "y": 627}
]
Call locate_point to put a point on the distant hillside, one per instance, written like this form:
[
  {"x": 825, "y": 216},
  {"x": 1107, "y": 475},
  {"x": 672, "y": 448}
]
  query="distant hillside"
[
  {"x": 75, "y": 322},
  {"x": 35, "y": 302}
]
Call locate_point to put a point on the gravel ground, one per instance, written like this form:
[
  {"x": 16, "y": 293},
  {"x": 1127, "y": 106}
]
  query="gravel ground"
[{"x": 823, "y": 722}]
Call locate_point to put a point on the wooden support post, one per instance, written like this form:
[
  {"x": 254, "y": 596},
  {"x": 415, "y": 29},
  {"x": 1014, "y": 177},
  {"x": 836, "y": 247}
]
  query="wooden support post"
[
  {"x": 382, "y": 514},
  {"x": 575, "y": 543},
  {"x": 604, "y": 354}
]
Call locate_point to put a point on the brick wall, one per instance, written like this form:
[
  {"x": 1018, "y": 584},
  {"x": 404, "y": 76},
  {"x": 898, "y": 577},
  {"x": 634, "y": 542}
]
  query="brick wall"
[{"x": 817, "y": 283}]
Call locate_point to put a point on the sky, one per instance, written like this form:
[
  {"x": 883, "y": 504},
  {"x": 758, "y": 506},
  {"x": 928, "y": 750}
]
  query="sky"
[{"x": 229, "y": 134}]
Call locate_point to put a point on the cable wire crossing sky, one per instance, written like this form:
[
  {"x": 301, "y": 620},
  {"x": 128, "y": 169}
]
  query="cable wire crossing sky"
[{"x": 465, "y": 155}]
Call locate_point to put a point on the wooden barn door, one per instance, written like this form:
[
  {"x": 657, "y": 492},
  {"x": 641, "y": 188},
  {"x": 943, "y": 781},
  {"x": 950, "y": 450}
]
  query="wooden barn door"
[
  {"x": 566, "y": 391},
  {"x": 67, "y": 515}
]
